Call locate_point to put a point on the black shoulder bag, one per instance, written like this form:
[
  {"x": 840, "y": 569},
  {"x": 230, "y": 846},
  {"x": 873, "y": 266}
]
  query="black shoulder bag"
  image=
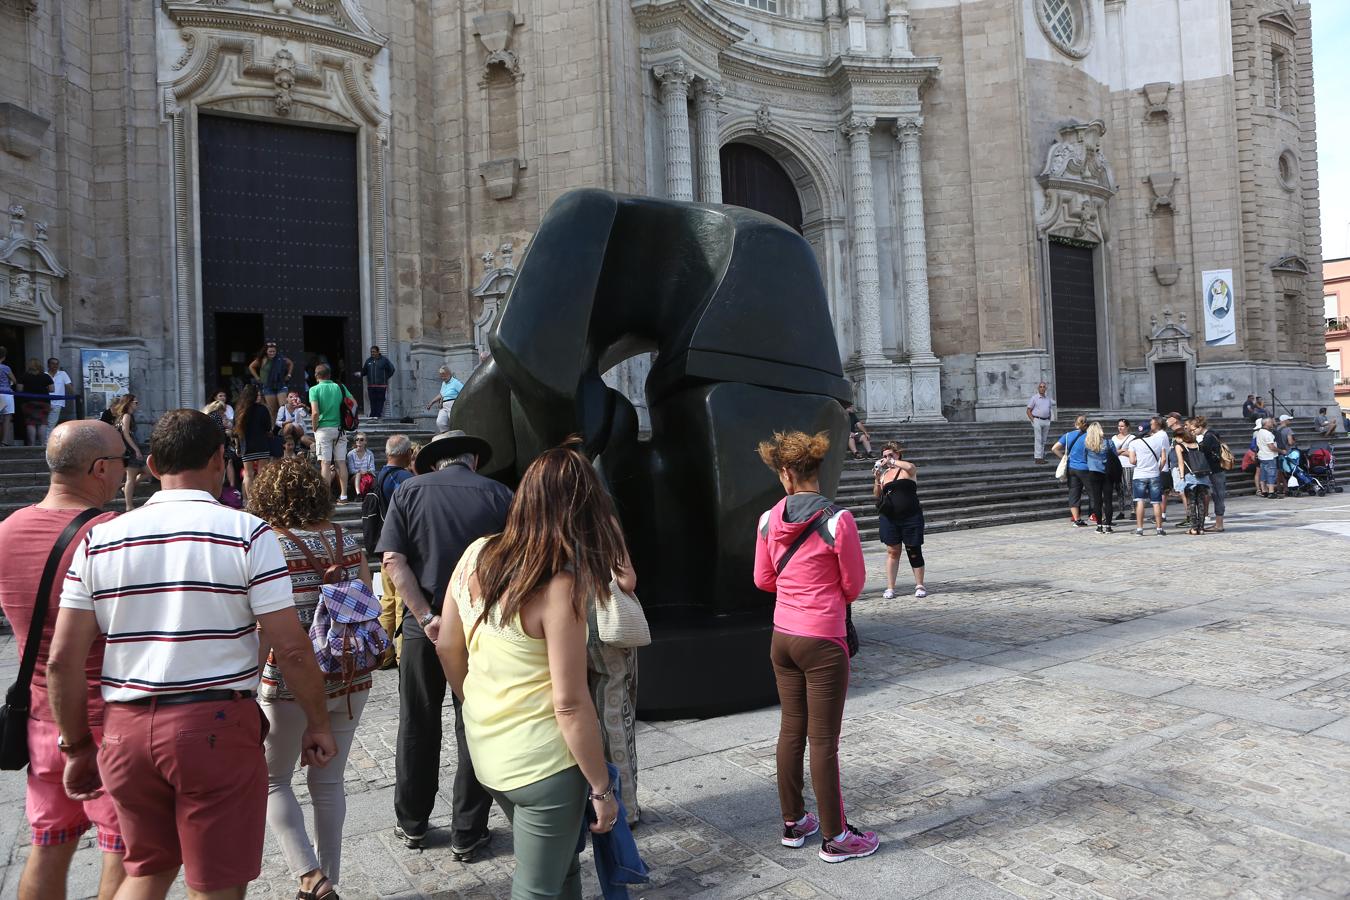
[
  {"x": 850, "y": 633},
  {"x": 18, "y": 700}
]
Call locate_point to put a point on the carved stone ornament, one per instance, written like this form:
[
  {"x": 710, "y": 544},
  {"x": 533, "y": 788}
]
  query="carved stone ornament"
[
  {"x": 284, "y": 78},
  {"x": 1162, "y": 184},
  {"x": 21, "y": 131},
  {"x": 1170, "y": 342},
  {"x": 1291, "y": 274},
  {"x": 494, "y": 30},
  {"x": 491, "y": 291},
  {"x": 1076, "y": 182},
  {"x": 1155, "y": 93},
  {"x": 763, "y": 119}
]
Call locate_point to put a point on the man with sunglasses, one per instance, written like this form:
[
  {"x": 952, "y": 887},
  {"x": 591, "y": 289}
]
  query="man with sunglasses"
[{"x": 87, "y": 460}]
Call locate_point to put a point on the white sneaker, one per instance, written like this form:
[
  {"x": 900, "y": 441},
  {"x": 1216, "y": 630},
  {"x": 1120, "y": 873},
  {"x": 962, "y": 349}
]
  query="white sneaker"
[
  {"x": 920, "y": 592},
  {"x": 888, "y": 594}
]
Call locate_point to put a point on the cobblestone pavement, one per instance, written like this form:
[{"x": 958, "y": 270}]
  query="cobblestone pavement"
[{"x": 1066, "y": 715}]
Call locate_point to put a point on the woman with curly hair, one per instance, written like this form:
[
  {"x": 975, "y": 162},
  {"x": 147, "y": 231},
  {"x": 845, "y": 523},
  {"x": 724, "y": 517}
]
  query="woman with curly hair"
[
  {"x": 292, "y": 497},
  {"x": 809, "y": 555},
  {"x": 513, "y": 645}
]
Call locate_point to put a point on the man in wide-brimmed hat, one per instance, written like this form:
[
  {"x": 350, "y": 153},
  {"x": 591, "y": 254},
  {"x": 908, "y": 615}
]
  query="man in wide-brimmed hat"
[{"x": 430, "y": 521}]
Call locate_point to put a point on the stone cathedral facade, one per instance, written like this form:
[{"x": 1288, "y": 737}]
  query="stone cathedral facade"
[{"x": 1117, "y": 196}]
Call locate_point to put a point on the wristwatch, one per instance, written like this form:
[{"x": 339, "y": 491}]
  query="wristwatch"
[
  {"x": 72, "y": 749},
  {"x": 425, "y": 620}
]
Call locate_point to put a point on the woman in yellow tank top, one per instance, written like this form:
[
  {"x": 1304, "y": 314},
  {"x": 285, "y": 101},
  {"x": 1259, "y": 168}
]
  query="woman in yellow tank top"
[{"x": 513, "y": 645}]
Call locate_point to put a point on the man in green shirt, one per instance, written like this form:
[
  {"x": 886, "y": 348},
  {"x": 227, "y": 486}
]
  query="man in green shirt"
[{"x": 330, "y": 441}]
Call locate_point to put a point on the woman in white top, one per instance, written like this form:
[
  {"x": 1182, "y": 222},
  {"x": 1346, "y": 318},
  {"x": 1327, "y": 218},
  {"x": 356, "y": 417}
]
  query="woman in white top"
[{"x": 361, "y": 461}]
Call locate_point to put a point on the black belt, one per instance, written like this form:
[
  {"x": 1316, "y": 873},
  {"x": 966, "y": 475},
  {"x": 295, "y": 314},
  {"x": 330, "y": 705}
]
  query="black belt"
[
  {"x": 191, "y": 697},
  {"x": 1042, "y": 418}
]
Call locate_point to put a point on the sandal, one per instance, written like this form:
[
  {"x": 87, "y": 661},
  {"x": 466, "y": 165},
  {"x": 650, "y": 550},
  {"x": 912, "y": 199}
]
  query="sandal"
[
  {"x": 1196, "y": 531},
  {"x": 318, "y": 893}
]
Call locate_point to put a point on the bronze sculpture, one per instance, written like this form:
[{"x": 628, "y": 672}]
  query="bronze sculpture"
[{"x": 732, "y": 303}]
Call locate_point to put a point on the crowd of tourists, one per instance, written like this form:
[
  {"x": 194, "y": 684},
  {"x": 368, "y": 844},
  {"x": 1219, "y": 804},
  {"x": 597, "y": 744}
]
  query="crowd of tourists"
[{"x": 32, "y": 400}]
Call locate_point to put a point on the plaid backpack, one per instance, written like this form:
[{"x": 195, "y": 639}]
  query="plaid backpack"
[{"x": 346, "y": 632}]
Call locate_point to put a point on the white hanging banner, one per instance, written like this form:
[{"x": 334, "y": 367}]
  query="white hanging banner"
[{"x": 1220, "y": 306}]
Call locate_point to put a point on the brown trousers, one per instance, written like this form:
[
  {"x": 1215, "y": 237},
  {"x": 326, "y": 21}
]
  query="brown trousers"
[{"x": 812, "y": 675}]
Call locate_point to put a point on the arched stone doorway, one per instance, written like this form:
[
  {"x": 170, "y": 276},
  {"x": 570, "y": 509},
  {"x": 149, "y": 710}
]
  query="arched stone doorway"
[{"x": 753, "y": 179}]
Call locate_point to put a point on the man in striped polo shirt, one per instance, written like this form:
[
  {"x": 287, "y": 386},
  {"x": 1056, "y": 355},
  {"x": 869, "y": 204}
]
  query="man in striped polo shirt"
[{"x": 181, "y": 588}]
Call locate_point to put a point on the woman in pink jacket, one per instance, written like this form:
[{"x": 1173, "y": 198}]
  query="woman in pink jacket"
[{"x": 809, "y": 555}]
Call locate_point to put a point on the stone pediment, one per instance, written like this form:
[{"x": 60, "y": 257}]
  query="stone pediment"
[
  {"x": 686, "y": 30},
  {"x": 1076, "y": 162},
  {"x": 1291, "y": 272},
  {"x": 1076, "y": 183},
  {"x": 334, "y": 23},
  {"x": 1281, "y": 20},
  {"x": 28, "y": 254}
]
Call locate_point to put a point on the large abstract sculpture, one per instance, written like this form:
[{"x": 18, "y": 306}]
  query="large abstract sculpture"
[{"x": 732, "y": 303}]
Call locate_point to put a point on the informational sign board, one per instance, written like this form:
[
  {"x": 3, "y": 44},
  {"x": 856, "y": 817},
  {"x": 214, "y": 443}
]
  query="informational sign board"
[
  {"x": 1219, "y": 303},
  {"x": 106, "y": 375}
]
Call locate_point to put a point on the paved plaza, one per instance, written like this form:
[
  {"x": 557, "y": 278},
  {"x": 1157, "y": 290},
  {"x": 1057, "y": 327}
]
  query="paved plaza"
[{"x": 1065, "y": 715}]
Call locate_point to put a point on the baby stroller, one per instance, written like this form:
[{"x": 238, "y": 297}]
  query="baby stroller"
[
  {"x": 1295, "y": 468},
  {"x": 1322, "y": 465}
]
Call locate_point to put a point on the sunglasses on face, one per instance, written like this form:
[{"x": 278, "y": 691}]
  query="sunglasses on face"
[{"x": 127, "y": 459}]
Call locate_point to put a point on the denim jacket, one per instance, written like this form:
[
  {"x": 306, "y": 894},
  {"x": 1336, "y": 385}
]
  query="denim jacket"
[{"x": 617, "y": 863}]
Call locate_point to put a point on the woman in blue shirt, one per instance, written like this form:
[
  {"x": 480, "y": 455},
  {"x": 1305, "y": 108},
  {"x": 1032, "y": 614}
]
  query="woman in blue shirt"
[{"x": 1074, "y": 444}]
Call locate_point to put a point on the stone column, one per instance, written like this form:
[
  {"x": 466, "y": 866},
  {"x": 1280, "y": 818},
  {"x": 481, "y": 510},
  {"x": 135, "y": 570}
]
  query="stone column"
[
  {"x": 915, "y": 243},
  {"x": 675, "y": 79},
  {"x": 709, "y": 147},
  {"x": 866, "y": 281}
]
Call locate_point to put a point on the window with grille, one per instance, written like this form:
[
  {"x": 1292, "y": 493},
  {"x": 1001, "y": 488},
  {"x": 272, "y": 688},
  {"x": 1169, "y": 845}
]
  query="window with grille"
[
  {"x": 768, "y": 6},
  {"x": 1059, "y": 17}
]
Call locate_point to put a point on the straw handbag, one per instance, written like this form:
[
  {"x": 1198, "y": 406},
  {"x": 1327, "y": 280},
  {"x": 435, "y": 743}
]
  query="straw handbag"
[{"x": 621, "y": 622}]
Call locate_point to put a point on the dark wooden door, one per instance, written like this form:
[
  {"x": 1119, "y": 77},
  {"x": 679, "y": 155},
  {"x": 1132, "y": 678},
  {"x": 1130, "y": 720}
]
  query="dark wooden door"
[
  {"x": 280, "y": 238},
  {"x": 754, "y": 179},
  {"x": 1073, "y": 309},
  {"x": 1169, "y": 387}
]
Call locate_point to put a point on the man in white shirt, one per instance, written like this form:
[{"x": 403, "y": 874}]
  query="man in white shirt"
[
  {"x": 1040, "y": 412},
  {"x": 1267, "y": 456},
  {"x": 184, "y": 588},
  {"x": 60, "y": 386},
  {"x": 1147, "y": 455}
]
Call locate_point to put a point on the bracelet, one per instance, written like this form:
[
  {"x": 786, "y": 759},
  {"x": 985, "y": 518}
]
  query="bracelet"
[
  {"x": 72, "y": 749},
  {"x": 426, "y": 619},
  {"x": 603, "y": 795}
]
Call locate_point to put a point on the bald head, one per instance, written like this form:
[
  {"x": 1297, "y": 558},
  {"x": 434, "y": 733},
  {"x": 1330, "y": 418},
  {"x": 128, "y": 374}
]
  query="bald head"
[{"x": 73, "y": 446}]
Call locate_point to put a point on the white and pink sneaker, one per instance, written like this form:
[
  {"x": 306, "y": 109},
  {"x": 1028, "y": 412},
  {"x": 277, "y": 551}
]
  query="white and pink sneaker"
[
  {"x": 855, "y": 845},
  {"x": 795, "y": 835}
]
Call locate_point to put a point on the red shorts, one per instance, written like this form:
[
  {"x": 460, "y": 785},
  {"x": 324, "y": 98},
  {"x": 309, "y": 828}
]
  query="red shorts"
[
  {"x": 190, "y": 785},
  {"x": 54, "y": 817}
]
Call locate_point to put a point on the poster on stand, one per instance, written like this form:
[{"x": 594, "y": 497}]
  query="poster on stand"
[
  {"x": 106, "y": 376},
  {"x": 1220, "y": 306}
]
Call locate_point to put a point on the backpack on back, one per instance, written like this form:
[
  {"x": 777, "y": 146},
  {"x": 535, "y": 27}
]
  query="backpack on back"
[
  {"x": 373, "y": 511},
  {"x": 346, "y": 633}
]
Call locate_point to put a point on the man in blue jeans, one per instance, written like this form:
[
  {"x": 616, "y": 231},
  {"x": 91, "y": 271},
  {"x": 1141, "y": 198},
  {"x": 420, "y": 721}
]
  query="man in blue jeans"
[
  {"x": 1147, "y": 455},
  {"x": 376, "y": 372}
]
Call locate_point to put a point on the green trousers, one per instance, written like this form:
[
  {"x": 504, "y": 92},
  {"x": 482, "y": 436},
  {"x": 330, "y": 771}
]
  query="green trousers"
[{"x": 545, "y": 822}]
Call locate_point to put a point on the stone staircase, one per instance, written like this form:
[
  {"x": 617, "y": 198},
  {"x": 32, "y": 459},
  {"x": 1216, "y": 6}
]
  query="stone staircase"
[{"x": 971, "y": 475}]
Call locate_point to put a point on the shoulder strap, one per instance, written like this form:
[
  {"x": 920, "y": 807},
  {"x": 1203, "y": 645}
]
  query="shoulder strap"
[
  {"x": 821, "y": 521},
  {"x": 1073, "y": 443},
  {"x": 30, "y": 649},
  {"x": 319, "y": 568},
  {"x": 380, "y": 482}
]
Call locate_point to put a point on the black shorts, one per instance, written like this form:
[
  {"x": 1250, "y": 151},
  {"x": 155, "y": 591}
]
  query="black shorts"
[{"x": 907, "y": 531}]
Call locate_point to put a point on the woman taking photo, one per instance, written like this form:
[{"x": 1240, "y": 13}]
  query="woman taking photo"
[
  {"x": 513, "y": 645},
  {"x": 899, "y": 516},
  {"x": 124, "y": 419},
  {"x": 807, "y": 552},
  {"x": 253, "y": 427},
  {"x": 292, "y": 498}
]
